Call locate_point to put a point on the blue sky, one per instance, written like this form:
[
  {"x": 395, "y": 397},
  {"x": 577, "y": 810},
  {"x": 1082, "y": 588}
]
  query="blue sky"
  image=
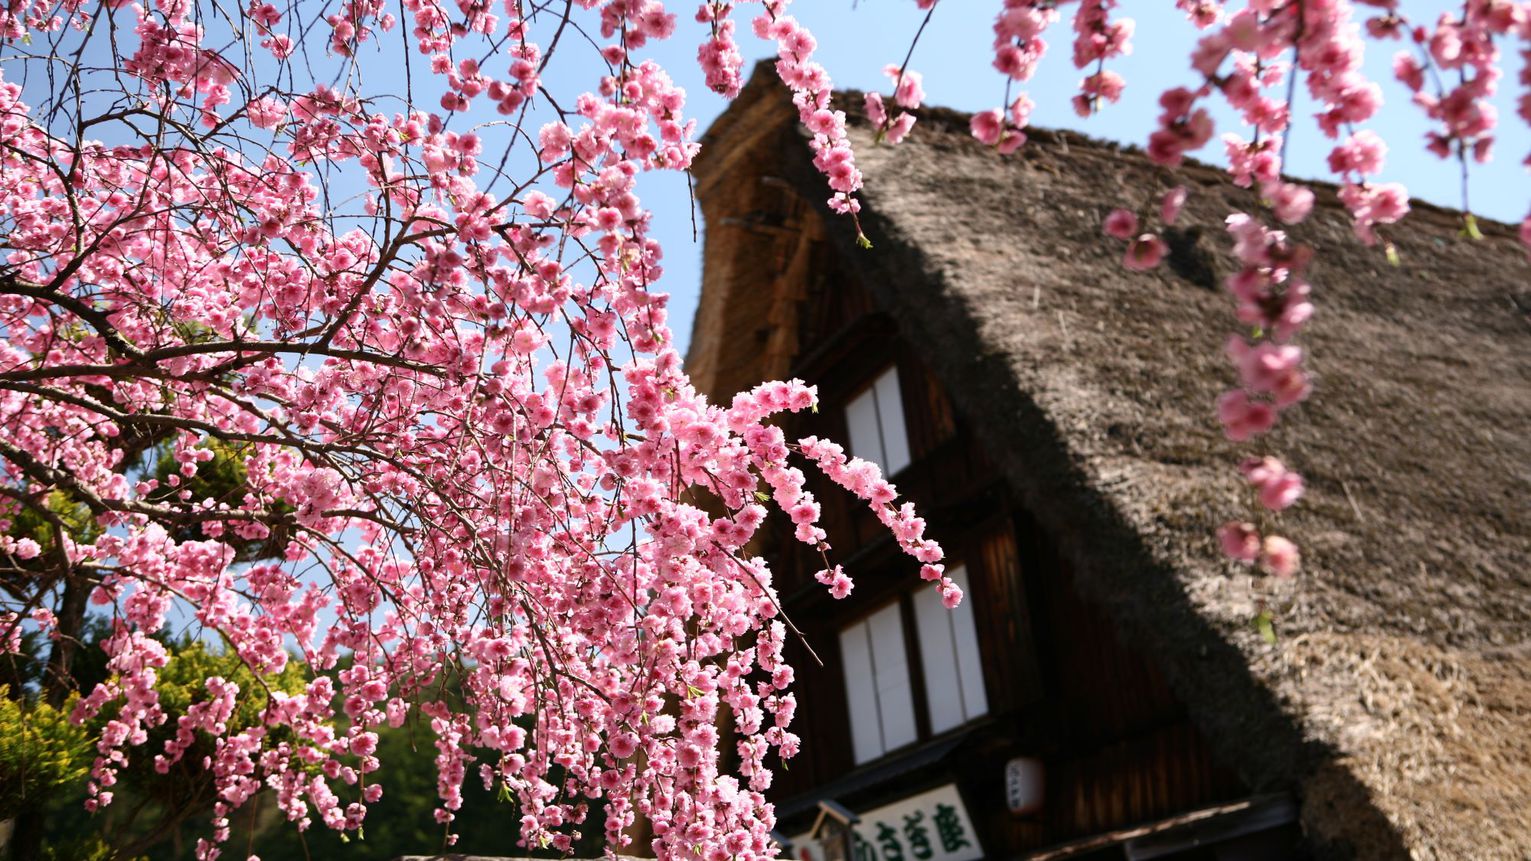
[{"x": 857, "y": 39}]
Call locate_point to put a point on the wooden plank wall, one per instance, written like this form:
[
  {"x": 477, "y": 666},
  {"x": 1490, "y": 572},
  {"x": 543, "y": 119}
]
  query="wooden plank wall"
[
  {"x": 1125, "y": 751},
  {"x": 1118, "y": 746}
]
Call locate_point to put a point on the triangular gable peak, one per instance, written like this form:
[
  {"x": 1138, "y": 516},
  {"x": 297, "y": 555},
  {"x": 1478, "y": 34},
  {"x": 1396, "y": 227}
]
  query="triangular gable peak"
[{"x": 1394, "y": 703}]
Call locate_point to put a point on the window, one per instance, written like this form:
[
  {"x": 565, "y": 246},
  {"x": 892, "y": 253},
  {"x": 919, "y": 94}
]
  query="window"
[
  {"x": 878, "y": 690},
  {"x": 877, "y": 684},
  {"x": 875, "y": 420},
  {"x": 949, "y": 654}
]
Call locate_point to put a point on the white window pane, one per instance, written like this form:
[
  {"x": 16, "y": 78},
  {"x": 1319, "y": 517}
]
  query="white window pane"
[
  {"x": 860, "y": 692},
  {"x": 938, "y": 655},
  {"x": 895, "y": 698},
  {"x": 861, "y": 421},
  {"x": 969, "y": 660},
  {"x": 890, "y": 408}
]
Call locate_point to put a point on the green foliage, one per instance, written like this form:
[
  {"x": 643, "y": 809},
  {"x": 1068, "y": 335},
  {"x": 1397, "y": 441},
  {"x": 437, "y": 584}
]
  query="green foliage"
[
  {"x": 75, "y": 515},
  {"x": 23, "y": 670},
  {"x": 1470, "y": 228},
  {"x": 224, "y": 479},
  {"x": 402, "y": 823},
  {"x": 1264, "y": 625},
  {"x": 41, "y": 752},
  {"x": 161, "y": 812},
  {"x": 86, "y": 847},
  {"x": 181, "y": 681},
  {"x": 181, "y": 684}
]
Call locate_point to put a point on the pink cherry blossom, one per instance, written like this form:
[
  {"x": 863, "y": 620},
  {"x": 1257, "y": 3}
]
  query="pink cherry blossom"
[
  {"x": 1279, "y": 556},
  {"x": 1361, "y": 153},
  {"x": 1171, "y": 204},
  {"x": 1120, "y": 224},
  {"x": 908, "y": 90},
  {"x": 988, "y": 126},
  {"x": 467, "y": 441},
  {"x": 1240, "y": 541},
  {"x": 1242, "y": 417},
  {"x": 1277, "y": 486},
  {"x": 1289, "y": 201},
  {"x": 1144, "y": 252}
]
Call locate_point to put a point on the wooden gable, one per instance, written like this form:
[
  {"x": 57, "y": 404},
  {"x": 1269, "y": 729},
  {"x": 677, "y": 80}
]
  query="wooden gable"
[{"x": 780, "y": 301}]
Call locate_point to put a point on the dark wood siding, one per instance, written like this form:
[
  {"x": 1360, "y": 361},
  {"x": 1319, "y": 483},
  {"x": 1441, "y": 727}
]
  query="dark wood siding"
[
  {"x": 1004, "y": 620},
  {"x": 1061, "y": 685}
]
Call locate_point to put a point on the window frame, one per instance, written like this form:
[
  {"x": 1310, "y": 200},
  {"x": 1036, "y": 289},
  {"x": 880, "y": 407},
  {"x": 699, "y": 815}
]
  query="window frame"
[
  {"x": 911, "y": 682},
  {"x": 960, "y": 632},
  {"x": 887, "y": 379},
  {"x": 914, "y": 663}
]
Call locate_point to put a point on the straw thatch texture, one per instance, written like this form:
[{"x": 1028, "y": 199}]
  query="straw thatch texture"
[{"x": 1397, "y": 698}]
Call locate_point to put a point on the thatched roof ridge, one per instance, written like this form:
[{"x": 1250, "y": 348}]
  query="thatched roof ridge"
[{"x": 1397, "y": 698}]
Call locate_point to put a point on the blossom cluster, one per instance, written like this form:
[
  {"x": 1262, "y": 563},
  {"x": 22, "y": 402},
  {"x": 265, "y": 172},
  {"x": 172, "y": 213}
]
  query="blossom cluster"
[
  {"x": 1272, "y": 296},
  {"x": 1097, "y": 39},
  {"x": 908, "y": 93},
  {"x": 475, "y": 489},
  {"x": 813, "y": 95},
  {"x": 1251, "y": 56}
]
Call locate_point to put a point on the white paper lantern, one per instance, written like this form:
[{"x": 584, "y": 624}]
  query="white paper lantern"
[{"x": 1023, "y": 785}]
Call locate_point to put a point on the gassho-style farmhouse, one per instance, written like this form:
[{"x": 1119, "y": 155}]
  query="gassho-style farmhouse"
[{"x": 1103, "y": 692}]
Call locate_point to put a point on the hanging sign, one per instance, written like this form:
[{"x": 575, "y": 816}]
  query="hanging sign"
[{"x": 931, "y": 826}]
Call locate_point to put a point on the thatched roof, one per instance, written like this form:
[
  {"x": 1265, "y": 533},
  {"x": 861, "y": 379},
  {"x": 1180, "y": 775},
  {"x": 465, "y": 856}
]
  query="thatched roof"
[{"x": 1397, "y": 698}]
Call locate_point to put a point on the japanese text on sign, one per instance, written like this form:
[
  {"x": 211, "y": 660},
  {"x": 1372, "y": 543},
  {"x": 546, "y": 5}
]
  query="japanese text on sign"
[{"x": 931, "y": 826}]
